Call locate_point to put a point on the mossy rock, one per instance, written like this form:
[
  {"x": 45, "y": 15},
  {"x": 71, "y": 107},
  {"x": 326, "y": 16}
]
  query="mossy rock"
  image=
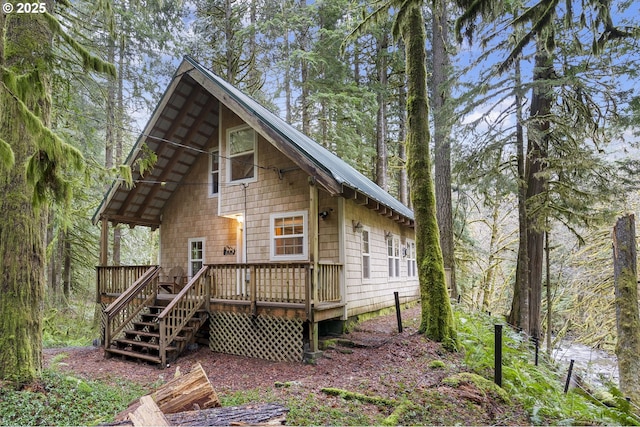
[
  {"x": 437, "y": 364},
  {"x": 481, "y": 383}
]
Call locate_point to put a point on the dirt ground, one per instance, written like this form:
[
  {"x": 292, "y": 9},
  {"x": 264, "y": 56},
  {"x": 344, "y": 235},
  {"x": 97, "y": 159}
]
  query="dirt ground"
[{"x": 376, "y": 361}]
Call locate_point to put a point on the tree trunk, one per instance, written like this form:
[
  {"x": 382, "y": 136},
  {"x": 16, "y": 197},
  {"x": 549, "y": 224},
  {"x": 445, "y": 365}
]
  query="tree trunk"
[
  {"x": 27, "y": 44},
  {"x": 537, "y": 182},
  {"x": 442, "y": 142},
  {"x": 625, "y": 276},
  {"x": 382, "y": 42},
  {"x": 403, "y": 184},
  {"x": 437, "y": 318},
  {"x": 519, "y": 314}
]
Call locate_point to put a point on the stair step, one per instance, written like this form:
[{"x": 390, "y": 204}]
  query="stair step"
[
  {"x": 151, "y": 325},
  {"x": 133, "y": 354},
  {"x": 142, "y": 334},
  {"x": 143, "y": 344}
]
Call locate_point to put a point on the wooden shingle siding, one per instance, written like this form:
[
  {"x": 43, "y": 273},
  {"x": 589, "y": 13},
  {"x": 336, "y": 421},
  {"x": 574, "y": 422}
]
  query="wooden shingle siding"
[{"x": 376, "y": 292}]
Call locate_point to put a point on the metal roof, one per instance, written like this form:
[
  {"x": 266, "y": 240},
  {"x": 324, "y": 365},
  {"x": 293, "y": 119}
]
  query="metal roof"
[{"x": 179, "y": 131}]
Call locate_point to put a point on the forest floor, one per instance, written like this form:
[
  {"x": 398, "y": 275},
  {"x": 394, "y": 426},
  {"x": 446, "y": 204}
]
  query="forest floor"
[{"x": 373, "y": 360}]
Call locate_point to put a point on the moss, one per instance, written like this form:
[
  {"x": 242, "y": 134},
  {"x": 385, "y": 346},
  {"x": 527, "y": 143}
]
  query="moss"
[
  {"x": 350, "y": 395},
  {"x": 484, "y": 385},
  {"x": 437, "y": 364}
]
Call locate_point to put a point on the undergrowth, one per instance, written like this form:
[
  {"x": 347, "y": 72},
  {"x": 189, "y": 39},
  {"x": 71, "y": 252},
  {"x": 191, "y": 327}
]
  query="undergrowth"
[
  {"x": 539, "y": 388},
  {"x": 61, "y": 399}
]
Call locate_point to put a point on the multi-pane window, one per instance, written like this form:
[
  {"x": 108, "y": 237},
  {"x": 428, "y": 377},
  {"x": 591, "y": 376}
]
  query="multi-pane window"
[
  {"x": 366, "y": 255},
  {"x": 214, "y": 172},
  {"x": 241, "y": 150},
  {"x": 289, "y": 235},
  {"x": 412, "y": 269},
  {"x": 393, "y": 256},
  {"x": 196, "y": 255}
]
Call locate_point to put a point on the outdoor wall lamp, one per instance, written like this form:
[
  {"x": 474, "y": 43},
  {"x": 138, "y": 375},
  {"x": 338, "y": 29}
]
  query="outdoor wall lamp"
[{"x": 357, "y": 226}]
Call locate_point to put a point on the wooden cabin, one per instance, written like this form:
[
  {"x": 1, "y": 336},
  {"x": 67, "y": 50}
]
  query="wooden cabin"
[{"x": 264, "y": 234}]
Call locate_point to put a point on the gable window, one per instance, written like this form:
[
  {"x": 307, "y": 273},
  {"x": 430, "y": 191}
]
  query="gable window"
[
  {"x": 393, "y": 256},
  {"x": 214, "y": 172},
  {"x": 366, "y": 255},
  {"x": 412, "y": 268},
  {"x": 241, "y": 150},
  {"x": 196, "y": 255},
  {"x": 289, "y": 236}
]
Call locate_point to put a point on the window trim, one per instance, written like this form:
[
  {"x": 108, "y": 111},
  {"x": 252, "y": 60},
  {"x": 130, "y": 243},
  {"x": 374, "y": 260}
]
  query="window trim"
[
  {"x": 394, "y": 257},
  {"x": 229, "y": 156},
  {"x": 214, "y": 151},
  {"x": 304, "y": 256},
  {"x": 364, "y": 254},
  {"x": 190, "y": 259},
  {"x": 412, "y": 263}
]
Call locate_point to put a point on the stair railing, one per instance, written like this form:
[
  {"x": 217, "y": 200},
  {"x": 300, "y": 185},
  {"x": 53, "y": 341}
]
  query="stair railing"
[
  {"x": 130, "y": 303},
  {"x": 182, "y": 309}
]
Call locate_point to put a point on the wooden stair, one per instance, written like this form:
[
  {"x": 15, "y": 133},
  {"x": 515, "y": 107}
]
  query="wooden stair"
[{"x": 141, "y": 341}]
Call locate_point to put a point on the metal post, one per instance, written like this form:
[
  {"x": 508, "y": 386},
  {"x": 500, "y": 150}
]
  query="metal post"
[
  {"x": 498, "y": 355},
  {"x": 398, "y": 315},
  {"x": 566, "y": 385}
]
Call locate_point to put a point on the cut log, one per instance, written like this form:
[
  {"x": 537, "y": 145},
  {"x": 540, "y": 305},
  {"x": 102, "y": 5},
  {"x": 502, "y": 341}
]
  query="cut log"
[
  {"x": 148, "y": 414},
  {"x": 251, "y": 414},
  {"x": 255, "y": 414},
  {"x": 186, "y": 393}
]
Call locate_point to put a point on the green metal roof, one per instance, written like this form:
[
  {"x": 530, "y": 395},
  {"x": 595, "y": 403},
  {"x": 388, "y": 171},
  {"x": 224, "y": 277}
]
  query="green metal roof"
[
  {"x": 184, "y": 116},
  {"x": 343, "y": 173}
]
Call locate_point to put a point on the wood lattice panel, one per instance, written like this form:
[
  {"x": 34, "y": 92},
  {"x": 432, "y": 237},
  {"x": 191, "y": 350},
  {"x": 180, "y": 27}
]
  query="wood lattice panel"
[{"x": 263, "y": 337}]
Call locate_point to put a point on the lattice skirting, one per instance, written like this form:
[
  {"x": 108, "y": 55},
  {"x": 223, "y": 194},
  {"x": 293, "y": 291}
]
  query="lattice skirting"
[{"x": 263, "y": 337}]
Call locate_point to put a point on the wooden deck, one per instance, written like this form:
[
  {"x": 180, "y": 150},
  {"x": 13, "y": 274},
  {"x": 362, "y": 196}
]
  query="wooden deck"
[
  {"x": 273, "y": 289},
  {"x": 152, "y": 317}
]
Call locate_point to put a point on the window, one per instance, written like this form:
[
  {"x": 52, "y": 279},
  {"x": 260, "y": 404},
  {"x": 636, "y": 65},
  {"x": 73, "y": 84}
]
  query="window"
[
  {"x": 393, "y": 255},
  {"x": 289, "y": 236},
  {"x": 366, "y": 255},
  {"x": 196, "y": 255},
  {"x": 214, "y": 172},
  {"x": 412, "y": 268},
  {"x": 241, "y": 149}
]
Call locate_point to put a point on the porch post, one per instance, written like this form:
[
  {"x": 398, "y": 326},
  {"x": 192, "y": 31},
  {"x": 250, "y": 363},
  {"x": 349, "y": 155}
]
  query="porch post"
[
  {"x": 313, "y": 258},
  {"x": 104, "y": 242}
]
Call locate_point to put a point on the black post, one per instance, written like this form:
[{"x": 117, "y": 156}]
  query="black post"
[
  {"x": 498, "y": 355},
  {"x": 537, "y": 342},
  {"x": 398, "y": 315},
  {"x": 566, "y": 385}
]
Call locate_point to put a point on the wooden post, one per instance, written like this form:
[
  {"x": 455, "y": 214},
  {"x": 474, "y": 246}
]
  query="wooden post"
[
  {"x": 313, "y": 258},
  {"x": 104, "y": 242}
]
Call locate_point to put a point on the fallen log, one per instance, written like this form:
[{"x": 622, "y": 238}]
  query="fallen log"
[
  {"x": 251, "y": 414},
  {"x": 186, "y": 393}
]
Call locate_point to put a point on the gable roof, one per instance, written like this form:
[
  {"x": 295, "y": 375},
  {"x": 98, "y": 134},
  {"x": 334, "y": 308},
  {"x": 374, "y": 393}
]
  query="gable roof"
[{"x": 180, "y": 128}]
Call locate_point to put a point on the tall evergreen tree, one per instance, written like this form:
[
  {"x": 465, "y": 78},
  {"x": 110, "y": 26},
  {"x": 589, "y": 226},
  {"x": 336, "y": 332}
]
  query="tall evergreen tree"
[
  {"x": 409, "y": 24},
  {"x": 40, "y": 161}
]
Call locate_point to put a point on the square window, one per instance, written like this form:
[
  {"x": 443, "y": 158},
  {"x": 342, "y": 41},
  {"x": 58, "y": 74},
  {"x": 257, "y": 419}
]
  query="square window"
[{"x": 289, "y": 236}]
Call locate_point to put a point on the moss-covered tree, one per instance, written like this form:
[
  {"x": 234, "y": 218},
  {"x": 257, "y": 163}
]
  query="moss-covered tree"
[
  {"x": 625, "y": 274},
  {"x": 437, "y": 318},
  {"x": 33, "y": 169}
]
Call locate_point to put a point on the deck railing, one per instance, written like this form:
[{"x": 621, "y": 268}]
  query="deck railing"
[
  {"x": 117, "y": 279},
  {"x": 273, "y": 282},
  {"x": 261, "y": 282},
  {"x": 181, "y": 310},
  {"x": 329, "y": 282},
  {"x": 127, "y": 307}
]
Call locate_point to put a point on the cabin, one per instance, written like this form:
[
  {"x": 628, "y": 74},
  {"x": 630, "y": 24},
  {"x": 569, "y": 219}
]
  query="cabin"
[{"x": 265, "y": 236}]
